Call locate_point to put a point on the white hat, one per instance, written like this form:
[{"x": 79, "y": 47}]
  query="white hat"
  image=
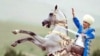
[{"x": 89, "y": 19}]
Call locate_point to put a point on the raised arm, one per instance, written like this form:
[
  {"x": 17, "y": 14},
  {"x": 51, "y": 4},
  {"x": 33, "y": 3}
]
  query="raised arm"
[{"x": 75, "y": 19}]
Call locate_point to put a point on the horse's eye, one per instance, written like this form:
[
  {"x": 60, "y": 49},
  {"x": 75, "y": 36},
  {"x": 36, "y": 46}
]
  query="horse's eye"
[{"x": 51, "y": 14}]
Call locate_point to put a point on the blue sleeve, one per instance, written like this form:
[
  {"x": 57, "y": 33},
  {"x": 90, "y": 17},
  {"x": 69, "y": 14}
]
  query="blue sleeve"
[
  {"x": 90, "y": 34},
  {"x": 78, "y": 25},
  {"x": 76, "y": 22}
]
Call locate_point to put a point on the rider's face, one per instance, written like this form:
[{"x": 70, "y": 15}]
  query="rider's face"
[{"x": 86, "y": 24}]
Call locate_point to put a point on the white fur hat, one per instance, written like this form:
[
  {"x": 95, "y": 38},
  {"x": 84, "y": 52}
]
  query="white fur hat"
[{"x": 89, "y": 19}]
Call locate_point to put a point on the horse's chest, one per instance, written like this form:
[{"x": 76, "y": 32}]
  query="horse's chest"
[
  {"x": 52, "y": 38},
  {"x": 52, "y": 43}
]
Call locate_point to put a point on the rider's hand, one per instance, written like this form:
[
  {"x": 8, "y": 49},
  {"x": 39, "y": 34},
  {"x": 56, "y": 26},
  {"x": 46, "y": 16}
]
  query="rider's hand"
[
  {"x": 73, "y": 14},
  {"x": 83, "y": 35}
]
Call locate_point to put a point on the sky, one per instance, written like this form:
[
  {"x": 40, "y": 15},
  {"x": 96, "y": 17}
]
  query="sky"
[{"x": 34, "y": 11}]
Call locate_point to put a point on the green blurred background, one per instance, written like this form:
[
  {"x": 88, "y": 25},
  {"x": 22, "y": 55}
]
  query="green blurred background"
[{"x": 28, "y": 14}]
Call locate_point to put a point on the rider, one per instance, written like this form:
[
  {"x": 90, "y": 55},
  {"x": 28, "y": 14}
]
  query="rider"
[{"x": 85, "y": 30}]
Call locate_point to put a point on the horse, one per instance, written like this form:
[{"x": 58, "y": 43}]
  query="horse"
[{"x": 53, "y": 42}]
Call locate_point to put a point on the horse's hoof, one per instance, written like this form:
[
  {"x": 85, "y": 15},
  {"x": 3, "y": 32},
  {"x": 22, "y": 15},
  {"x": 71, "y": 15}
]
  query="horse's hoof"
[
  {"x": 15, "y": 31},
  {"x": 14, "y": 45}
]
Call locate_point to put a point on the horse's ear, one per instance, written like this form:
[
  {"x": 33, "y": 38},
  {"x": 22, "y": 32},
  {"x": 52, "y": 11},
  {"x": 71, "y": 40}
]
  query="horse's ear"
[{"x": 56, "y": 6}]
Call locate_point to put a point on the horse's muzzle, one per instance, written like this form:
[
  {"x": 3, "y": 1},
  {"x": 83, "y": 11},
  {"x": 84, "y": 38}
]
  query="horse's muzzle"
[{"x": 46, "y": 23}]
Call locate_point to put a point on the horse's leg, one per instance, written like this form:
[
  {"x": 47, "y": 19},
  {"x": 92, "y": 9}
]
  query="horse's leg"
[
  {"x": 30, "y": 39},
  {"x": 36, "y": 42},
  {"x": 24, "y": 32},
  {"x": 21, "y": 41},
  {"x": 37, "y": 37}
]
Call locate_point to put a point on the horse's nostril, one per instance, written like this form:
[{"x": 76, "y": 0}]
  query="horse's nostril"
[{"x": 50, "y": 14}]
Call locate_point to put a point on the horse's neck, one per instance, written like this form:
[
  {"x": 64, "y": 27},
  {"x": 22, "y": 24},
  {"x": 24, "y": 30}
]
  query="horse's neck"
[{"x": 60, "y": 29}]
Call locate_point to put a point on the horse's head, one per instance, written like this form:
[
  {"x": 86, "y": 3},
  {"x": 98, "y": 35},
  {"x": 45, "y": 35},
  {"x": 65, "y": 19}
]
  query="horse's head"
[{"x": 54, "y": 17}]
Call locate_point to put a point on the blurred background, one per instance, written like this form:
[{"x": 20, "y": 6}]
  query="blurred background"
[{"x": 28, "y": 15}]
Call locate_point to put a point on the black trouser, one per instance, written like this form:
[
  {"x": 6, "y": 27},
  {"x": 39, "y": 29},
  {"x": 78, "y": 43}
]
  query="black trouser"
[{"x": 77, "y": 49}]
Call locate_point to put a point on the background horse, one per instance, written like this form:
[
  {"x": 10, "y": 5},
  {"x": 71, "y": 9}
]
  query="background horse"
[{"x": 53, "y": 42}]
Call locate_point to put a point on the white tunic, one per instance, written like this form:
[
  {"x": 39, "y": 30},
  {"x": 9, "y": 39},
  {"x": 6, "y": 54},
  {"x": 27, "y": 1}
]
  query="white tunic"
[{"x": 79, "y": 41}]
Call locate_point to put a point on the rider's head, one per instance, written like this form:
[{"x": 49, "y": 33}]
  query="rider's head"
[{"x": 87, "y": 21}]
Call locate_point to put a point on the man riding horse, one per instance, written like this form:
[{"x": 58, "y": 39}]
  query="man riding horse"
[
  {"x": 59, "y": 33},
  {"x": 86, "y": 33}
]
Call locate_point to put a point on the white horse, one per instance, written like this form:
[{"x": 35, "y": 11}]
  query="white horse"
[{"x": 54, "y": 41}]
